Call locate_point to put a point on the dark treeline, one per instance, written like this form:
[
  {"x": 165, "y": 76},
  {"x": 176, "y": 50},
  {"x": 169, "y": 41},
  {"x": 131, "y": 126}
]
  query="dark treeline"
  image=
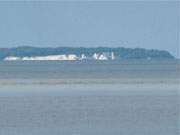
[{"x": 121, "y": 53}]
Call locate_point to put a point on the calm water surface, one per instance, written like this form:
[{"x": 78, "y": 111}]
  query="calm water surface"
[{"x": 89, "y": 98}]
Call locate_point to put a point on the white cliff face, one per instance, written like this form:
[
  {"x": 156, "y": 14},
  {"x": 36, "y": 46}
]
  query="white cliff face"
[
  {"x": 83, "y": 56},
  {"x": 112, "y": 56},
  {"x": 12, "y": 58},
  {"x": 97, "y": 56},
  {"x": 39, "y": 58},
  {"x": 102, "y": 57},
  {"x": 70, "y": 57}
]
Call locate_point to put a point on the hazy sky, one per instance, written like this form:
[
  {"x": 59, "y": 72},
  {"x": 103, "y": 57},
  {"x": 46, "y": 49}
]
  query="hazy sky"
[{"x": 90, "y": 24}]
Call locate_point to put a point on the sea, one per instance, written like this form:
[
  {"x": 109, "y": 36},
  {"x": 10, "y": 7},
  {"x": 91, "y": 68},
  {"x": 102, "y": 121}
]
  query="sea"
[{"x": 120, "y": 97}]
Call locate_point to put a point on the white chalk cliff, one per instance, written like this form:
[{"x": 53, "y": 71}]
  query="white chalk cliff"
[{"x": 69, "y": 57}]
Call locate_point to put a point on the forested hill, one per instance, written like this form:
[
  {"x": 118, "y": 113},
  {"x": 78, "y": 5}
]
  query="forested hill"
[{"x": 120, "y": 53}]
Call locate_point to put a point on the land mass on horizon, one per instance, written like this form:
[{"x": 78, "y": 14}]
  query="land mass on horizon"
[{"x": 81, "y": 53}]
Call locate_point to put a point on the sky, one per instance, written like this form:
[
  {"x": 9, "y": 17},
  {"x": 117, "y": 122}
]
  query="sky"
[{"x": 151, "y": 25}]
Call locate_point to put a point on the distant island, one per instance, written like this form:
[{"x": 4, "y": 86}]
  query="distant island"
[{"x": 81, "y": 53}]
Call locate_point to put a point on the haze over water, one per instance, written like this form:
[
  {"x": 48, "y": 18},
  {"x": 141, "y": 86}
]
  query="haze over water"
[{"x": 89, "y": 98}]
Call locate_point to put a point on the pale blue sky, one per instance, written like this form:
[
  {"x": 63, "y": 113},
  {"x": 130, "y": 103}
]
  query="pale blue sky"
[{"x": 90, "y": 24}]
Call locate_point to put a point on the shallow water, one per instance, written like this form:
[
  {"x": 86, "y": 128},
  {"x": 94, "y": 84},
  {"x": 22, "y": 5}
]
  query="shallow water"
[{"x": 137, "y": 99}]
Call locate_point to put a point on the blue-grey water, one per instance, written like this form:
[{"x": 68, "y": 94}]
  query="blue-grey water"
[{"x": 126, "y": 97}]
